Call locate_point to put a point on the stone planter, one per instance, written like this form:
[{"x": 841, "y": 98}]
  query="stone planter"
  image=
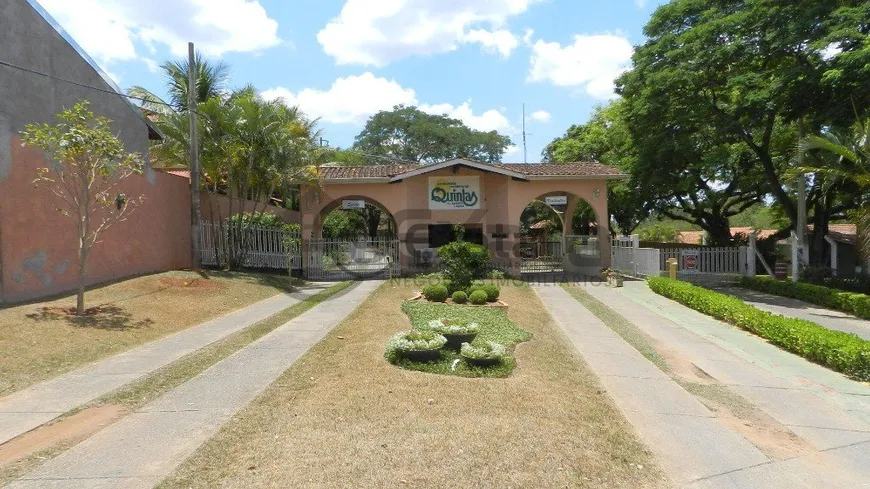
[
  {"x": 421, "y": 355},
  {"x": 481, "y": 362},
  {"x": 614, "y": 281},
  {"x": 455, "y": 341}
]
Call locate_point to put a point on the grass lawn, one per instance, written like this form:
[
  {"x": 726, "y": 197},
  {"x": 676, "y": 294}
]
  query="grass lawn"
[
  {"x": 40, "y": 341},
  {"x": 148, "y": 388},
  {"x": 344, "y": 417},
  {"x": 495, "y": 325}
]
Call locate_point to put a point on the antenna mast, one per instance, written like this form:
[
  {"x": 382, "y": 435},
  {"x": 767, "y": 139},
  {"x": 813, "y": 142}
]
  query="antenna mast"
[{"x": 525, "y": 150}]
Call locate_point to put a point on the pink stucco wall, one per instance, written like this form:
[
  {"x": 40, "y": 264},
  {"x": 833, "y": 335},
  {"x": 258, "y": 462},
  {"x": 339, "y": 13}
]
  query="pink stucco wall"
[
  {"x": 502, "y": 203},
  {"x": 38, "y": 246}
]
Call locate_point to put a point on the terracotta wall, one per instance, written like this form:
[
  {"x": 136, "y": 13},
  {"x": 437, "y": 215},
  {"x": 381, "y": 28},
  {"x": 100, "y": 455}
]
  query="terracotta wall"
[
  {"x": 502, "y": 203},
  {"x": 38, "y": 246}
]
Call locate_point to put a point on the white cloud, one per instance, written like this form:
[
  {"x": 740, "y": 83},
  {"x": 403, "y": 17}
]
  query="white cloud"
[
  {"x": 109, "y": 29},
  {"x": 350, "y": 100},
  {"x": 500, "y": 41},
  {"x": 379, "y": 32},
  {"x": 491, "y": 120},
  {"x": 640, "y": 3},
  {"x": 591, "y": 63},
  {"x": 541, "y": 116},
  {"x": 353, "y": 99}
]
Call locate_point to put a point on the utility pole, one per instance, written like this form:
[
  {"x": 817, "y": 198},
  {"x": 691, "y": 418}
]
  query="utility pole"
[
  {"x": 195, "y": 237},
  {"x": 525, "y": 151}
]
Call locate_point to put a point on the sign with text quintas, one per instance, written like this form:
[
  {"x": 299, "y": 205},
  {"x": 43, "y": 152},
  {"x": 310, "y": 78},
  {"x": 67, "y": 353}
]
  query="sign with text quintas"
[{"x": 454, "y": 193}]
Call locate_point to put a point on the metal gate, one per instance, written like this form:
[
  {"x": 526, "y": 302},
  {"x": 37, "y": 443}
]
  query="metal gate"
[
  {"x": 541, "y": 256},
  {"x": 357, "y": 259},
  {"x": 257, "y": 247}
]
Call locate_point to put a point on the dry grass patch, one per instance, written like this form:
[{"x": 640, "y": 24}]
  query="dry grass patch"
[
  {"x": 344, "y": 417},
  {"x": 41, "y": 340}
]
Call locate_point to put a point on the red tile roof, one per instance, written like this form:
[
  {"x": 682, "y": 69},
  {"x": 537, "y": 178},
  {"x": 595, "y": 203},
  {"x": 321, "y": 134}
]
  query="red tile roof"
[{"x": 579, "y": 169}]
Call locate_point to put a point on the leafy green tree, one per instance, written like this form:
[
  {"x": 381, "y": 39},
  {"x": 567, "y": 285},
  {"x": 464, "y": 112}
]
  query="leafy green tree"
[
  {"x": 756, "y": 71},
  {"x": 90, "y": 164},
  {"x": 408, "y": 134},
  {"x": 843, "y": 156},
  {"x": 606, "y": 138}
]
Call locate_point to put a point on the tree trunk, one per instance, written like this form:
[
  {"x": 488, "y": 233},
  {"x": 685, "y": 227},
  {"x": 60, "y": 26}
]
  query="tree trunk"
[
  {"x": 718, "y": 230},
  {"x": 80, "y": 298}
]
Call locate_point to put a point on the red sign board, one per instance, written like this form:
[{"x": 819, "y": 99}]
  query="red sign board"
[{"x": 690, "y": 262}]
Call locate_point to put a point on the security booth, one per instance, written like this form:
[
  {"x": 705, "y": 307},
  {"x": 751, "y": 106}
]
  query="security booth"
[{"x": 425, "y": 202}]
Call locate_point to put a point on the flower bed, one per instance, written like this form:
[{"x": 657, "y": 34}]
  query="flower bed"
[
  {"x": 457, "y": 332},
  {"x": 488, "y": 353},
  {"x": 492, "y": 324},
  {"x": 419, "y": 346}
]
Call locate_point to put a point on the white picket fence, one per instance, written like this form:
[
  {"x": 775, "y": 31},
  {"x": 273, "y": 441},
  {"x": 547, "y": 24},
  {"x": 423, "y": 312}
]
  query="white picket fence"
[
  {"x": 711, "y": 263},
  {"x": 259, "y": 247},
  {"x": 710, "y": 260}
]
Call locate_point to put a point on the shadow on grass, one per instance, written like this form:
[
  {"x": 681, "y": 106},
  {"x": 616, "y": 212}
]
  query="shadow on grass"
[
  {"x": 278, "y": 280},
  {"x": 106, "y": 317}
]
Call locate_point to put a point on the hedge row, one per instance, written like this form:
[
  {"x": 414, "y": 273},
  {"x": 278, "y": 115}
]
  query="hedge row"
[
  {"x": 839, "y": 351},
  {"x": 849, "y": 302}
]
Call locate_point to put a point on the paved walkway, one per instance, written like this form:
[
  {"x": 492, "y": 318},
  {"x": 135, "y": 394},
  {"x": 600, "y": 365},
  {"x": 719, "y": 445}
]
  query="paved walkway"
[
  {"x": 32, "y": 407},
  {"x": 144, "y": 447},
  {"x": 821, "y": 407},
  {"x": 794, "y": 308}
]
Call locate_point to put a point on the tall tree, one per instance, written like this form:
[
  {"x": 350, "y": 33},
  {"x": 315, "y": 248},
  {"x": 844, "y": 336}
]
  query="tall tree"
[
  {"x": 212, "y": 80},
  {"x": 754, "y": 70},
  {"x": 406, "y": 133},
  {"x": 842, "y": 157},
  {"x": 90, "y": 165},
  {"x": 606, "y": 139}
]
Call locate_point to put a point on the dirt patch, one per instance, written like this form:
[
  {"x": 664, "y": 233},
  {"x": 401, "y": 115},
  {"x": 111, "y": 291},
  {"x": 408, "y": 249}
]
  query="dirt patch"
[{"x": 79, "y": 425}]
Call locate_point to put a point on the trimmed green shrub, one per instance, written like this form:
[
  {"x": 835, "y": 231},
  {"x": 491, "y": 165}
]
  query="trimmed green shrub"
[
  {"x": 849, "y": 302},
  {"x": 492, "y": 292},
  {"x": 464, "y": 262},
  {"x": 837, "y": 350},
  {"x": 459, "y": 297},
  {"x": 435, "y": 293},
  {"x": 478, "y": 297}
]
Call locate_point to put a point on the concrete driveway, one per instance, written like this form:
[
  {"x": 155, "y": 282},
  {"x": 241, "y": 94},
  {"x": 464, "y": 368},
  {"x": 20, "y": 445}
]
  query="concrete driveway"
[{"x": 720, "y": 407}]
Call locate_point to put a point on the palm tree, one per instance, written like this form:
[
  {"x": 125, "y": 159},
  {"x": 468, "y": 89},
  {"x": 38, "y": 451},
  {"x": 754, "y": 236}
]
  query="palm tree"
[
  {"x": 843, "y": 156},
  {"x": 212, "y": 79}
]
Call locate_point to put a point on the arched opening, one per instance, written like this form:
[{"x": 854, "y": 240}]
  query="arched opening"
[
  {"x": 355, "y": 217},
  {"x": 558, "y": 230},
  {"x": 354, "y": 237}
]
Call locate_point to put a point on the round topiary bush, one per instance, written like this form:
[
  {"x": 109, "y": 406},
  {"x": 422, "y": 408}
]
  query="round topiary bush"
[
  {"x": 492, "y": 292},
  {"x": 420, "y": 346},
  {"x": 435, "y": 293},
  {"x": 456, "y": 332},
  {"x": 478, "y": 297},
  {"x": 459, "y": 297},
  {"x": 489, "y": 353}
]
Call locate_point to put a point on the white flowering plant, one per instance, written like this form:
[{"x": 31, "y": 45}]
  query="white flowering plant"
[
  {"x": 416, "y": 341},
  {"x": 489, "y": 350},
  {"x": 453, "y": 327}
]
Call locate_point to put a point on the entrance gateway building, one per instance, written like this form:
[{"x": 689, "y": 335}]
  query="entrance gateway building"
[{"x": 426, "y": 201}]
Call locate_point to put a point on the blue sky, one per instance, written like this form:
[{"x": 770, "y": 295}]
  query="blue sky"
[{"x": 343, "y": 60}]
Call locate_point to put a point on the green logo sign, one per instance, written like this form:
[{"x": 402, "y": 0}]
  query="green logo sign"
[{"x": 454, "y": 193}]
